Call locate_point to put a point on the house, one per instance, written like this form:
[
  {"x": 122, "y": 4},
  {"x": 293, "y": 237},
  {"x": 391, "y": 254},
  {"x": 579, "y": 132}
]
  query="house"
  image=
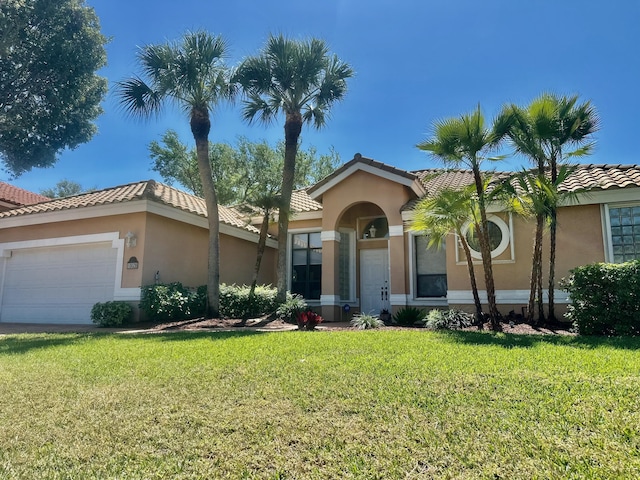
[
  {"x": 12, "y": 197},
  {"x": 349, "y": 248},
  {"x": 59, "y": 257}
]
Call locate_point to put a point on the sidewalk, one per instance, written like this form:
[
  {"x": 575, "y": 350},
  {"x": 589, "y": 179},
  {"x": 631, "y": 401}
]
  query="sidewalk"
[{"x": 16, "y": 328}]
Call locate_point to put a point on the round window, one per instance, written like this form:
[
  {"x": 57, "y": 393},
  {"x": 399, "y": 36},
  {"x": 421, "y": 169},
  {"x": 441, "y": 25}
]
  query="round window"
[{"x": 498, "y": 237}]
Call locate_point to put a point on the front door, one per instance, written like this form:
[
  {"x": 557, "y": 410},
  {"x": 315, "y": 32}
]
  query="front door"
[{"x": 374, "y": 280}]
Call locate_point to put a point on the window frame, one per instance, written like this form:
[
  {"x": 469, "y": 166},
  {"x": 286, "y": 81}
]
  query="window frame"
[
  {"x": 291, "y": 233},
  {"x": 507, "y": 233},
  {"x": 607, "y": 234}
]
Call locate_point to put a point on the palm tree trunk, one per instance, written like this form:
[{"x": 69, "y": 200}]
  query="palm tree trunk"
[
  {"x": 200, "y": 126},
  {"x": 536, "y": 269},
  {"x": 485, "y": 250},
  {"x": 262, "y": 242},
  {"x": 472, "y": 278},
  {"x": 292, "y": 129},
  {"x": 552, "y": 265}
]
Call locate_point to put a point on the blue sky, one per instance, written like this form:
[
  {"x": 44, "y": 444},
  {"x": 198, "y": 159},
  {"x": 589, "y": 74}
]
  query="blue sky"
[{"x": 416, "y": 61}]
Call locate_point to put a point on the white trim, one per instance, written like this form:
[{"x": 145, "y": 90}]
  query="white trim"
[
  {"x": 428, "y": 302},
  {"x": 398, "y": 299},
  {"x": 305, "y": 215},
  {"x": 465, "y": 297},
  {"x": 330, "y": 236},
  {"x": 359, "y": 166},
  {"x": 628, "y": 194},
  {"x": 119, "y": 293},
  {"x": 396, "y": 230},
  {"x": 329, "y": 300},
  {"x": 606, "y": 233},
  {"x": 507, "y": 234}
]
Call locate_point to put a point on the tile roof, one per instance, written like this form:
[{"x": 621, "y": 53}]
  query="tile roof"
[
  {"x": 18, "y": 196},
  {"x": 302, "y": 202},
  {"x": 146, "y": 190}
]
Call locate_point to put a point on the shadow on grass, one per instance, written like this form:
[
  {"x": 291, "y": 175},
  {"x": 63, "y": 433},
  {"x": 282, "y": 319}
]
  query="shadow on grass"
[
  {"x": 187, "y": 335},
  {"x": 525, "y": 341},
  {"x": 23, "y": 343}
]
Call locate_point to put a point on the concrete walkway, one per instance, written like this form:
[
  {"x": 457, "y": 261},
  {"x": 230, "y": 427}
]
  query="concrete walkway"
[{"x": 15, "y": 328}]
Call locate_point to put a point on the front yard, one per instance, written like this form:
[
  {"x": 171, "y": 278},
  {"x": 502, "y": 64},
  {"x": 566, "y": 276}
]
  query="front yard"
[{"x": 329, "y": 404}]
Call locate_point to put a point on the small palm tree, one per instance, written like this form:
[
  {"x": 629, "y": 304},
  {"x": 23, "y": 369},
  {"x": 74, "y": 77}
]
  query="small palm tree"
[
  {"x": 448, "y": 212},
  {"x": 190, "y": 73},
  {"x": 542, "y": 131},
  {"x": 466, "y": 141},
  {"x": 301, "y": 80}
]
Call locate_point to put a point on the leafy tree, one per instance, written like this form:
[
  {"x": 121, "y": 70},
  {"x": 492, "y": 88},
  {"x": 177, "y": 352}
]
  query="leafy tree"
[
  {"x": 465, "y": 141},
  {"x": 444, "y": 213},
  {"x": 49, "y": 92},
  {"x": 542, "y": 131},
  {"x": 190, "y": 73},
  {"x": 64, "y": 188},
  {"x": 301, "y": 80}
]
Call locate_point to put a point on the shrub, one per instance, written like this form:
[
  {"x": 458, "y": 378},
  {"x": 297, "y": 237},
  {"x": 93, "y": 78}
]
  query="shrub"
[
  {"x": 111, "y": 314},
  {"x": 173, "y": 301},
  {"x": 365, "y": 321},
  {"x": 605, "y": 298},
  {"x": 293, "y": 305},
  {"x": 409, "y": 316},
  {"x": 235, "y": 301},
  {"x": 449, "y": 319},
  {"x": 308, "y": 320}
]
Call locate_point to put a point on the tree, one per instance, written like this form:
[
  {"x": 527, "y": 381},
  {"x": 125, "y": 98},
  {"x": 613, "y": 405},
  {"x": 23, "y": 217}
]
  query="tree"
[
  {"x": 241, "y": 171},
  {"x": 465, "y": 141},
  {"x": 448, "y": 211},
  {"x": 49, "y": 92},
  {"x": 301, "y": 80},
  {"x": 190, "y": 73},
  {"x": 542, "y": 131},
  {"x": 64, "y": 188}
]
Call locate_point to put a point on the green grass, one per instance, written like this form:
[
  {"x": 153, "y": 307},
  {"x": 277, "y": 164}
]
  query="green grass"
[{"x": 305, "y": 405}]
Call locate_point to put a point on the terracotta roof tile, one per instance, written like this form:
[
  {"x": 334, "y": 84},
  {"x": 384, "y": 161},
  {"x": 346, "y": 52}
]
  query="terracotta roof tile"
[
  {"x": 18, "y": 196},
  {"x": 302, "y": 202},
  {"x": 149, "y": 190}
]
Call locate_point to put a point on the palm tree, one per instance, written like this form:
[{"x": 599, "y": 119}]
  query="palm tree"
[
  {"x": 465, "y": 141},
  {"x": 541, "y": 131},
  {"x": 448, "y": 211},
  {"x": 191, "y": 73},
  {"x": 301, "y": 80}
]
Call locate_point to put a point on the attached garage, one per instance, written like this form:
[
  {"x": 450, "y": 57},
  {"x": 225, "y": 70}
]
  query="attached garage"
[{"x": 57, "y": 283}]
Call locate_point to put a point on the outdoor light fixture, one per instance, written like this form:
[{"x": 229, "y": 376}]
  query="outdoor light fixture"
[{"x": 131, "y": 239}]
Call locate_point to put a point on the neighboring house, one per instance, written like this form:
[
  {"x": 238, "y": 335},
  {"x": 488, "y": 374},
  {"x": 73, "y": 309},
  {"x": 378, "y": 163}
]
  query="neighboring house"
[
  {"x": 350, "y": 244},
  {"x": 12, "y": 197},
  {"x": 60, "y": 257}
]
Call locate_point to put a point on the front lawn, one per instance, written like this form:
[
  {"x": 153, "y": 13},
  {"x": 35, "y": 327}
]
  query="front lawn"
[{"x": 305, "y": 405}]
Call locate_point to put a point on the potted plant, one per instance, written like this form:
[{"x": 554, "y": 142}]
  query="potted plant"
[{"x": 385, "y": 315}]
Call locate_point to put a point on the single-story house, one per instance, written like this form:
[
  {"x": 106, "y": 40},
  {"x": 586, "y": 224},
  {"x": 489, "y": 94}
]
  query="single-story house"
[
  {"x": 60, "y": 257},
  {"x": 349, "y": 248},
  {"x": 12, "y": 197}
]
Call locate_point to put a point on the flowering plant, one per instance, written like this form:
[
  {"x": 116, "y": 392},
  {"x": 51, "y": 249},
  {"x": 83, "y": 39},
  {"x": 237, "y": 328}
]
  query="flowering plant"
[{"x": 308, "y": 320}]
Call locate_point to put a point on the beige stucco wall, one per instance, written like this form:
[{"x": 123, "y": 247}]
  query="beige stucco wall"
[{"x": 579, "y": 241}]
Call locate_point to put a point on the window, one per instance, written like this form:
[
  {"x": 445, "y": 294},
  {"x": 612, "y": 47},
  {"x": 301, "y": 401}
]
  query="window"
[
  {"x": 625, "y": 233},
  {"x": 431, "y": 269},
  {"x": 306, "y": 265},
  {"x": 376, "y": 228},
  {"x": 498, "y": 237},
  {"x": 346, "y": 265}
]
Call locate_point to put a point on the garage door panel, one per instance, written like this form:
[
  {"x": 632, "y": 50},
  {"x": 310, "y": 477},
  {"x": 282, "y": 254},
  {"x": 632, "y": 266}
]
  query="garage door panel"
[{"x": 58, "y": 284}]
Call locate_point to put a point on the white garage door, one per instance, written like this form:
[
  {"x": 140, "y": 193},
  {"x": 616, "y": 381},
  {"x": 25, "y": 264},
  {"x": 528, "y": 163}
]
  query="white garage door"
[{"x": 57, "y": 284}]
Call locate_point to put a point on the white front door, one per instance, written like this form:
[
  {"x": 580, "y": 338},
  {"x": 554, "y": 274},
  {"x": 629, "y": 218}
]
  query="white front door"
[{"x": 374, "y": 280}]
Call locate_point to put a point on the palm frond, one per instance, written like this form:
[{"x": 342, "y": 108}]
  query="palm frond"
[{"x": 137, "y": 98}]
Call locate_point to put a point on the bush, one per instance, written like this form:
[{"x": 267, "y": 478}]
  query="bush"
[
  {"x": 605, "y": 298},
  {"x": 235, "y": 301},
  {"x": 365, "y": 321},
  {"x": 409, "y": 316},
  {"x": 308, "y": 320},
  {"x": 111, "y": 314},
  {"x": 293, "y": 305},
  {"x": 165, "y": 302},
  {"x": 449, "y": 319}
]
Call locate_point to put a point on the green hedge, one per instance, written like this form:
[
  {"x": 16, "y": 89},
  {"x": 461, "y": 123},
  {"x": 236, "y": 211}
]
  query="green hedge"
[
  {"x": 605, "y": 298},
  {"x": 173, "y": 301},
  {"x": 111, "y": 314}
]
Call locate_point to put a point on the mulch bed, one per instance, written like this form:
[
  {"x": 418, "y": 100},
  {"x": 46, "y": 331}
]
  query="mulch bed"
[{"x": 269, "y": 323}]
